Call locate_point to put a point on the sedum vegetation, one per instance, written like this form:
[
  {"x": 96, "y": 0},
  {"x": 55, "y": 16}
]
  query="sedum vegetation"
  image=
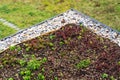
[{"x": 72, "y": 52}]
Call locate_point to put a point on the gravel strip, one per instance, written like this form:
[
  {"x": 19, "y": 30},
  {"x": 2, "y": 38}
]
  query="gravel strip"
[{"x": 70, "y": 16}]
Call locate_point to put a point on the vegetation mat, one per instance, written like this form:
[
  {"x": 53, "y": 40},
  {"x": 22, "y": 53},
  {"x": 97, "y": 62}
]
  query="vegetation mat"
[{"x": 70, "y": 53}]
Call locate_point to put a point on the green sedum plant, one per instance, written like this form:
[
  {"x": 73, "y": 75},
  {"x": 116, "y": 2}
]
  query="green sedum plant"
[
  {"x": 61, "y": 43},
  {"x": 112, "y": 78},
  {"x": 40, "y": 77},
  {"x": 22, "y": 62},
  {"x": 12, "y": 48},
  {"x": 104, "y": 75},
  {"x": 10, "y": 79},
  {"x": 51, "y": 44},
  {"x": 118, "y": 62},
  {"x": 30, "y": 65},
  {"x": 83, "y": 63},
  {"x": 35, "y": 64},
  {"x": 52, "y": 37},
  {"x": 19, "y": 48},
  {"x": 26, "y": 74},
  {"x": 26, "y": 77},
  {"x": 56, "y": 78}
]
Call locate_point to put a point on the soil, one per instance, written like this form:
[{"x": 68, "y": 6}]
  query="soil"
[{"x": 72, "y": 52}]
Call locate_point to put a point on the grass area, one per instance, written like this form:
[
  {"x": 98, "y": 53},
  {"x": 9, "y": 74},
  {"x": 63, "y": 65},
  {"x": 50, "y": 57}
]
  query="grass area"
[
  {"x": 25, "y": 13},
  {"x": 3, "y": 30}
]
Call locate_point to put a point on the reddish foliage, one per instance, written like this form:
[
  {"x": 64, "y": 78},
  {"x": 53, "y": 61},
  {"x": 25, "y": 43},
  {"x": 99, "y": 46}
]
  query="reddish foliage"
[{"x": 70, "y": 30}]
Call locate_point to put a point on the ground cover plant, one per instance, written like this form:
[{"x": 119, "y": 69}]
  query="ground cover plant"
[
  {"x": 25, "y": 13},
  {"x": 5, "y": 30},
  {"x": 70, "y": 53}
]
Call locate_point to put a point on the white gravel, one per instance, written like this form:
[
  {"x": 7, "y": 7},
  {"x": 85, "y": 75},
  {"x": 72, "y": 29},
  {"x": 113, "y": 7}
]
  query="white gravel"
[{"x": 70, "y": 16}]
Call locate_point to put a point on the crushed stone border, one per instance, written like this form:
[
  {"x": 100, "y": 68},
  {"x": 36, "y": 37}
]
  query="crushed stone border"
[{"x": 52, "y": 24}]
